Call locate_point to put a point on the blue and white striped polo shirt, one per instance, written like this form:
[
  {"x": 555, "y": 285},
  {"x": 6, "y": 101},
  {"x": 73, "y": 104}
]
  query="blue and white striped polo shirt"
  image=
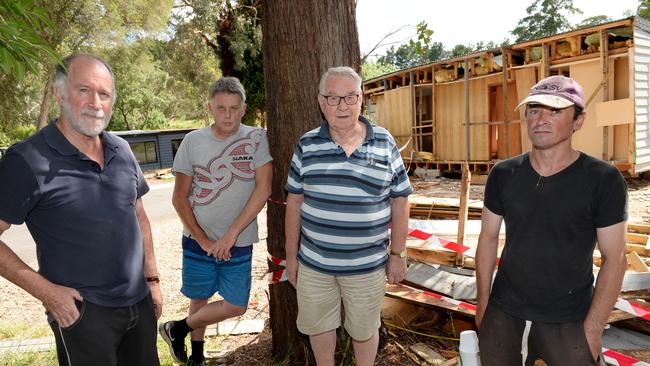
[{"x": 346, "y": 209}]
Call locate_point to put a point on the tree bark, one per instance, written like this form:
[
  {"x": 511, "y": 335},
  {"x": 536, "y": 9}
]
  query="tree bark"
[
  {"x": 45, "y": 104},
  {"x": 302, "y": 39}
]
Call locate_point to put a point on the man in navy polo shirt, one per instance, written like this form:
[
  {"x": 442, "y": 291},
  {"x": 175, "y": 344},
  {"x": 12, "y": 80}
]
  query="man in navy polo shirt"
[{"x": 79, "y": 191}]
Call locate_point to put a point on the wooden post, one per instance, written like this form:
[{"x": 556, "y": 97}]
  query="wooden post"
[
  {"x": 467, "y": 130},
  {"x": 420, "y": 117},
  {"x": 631, "y": 128},
  {"x": 433, "y": 113},
  {"x": 604, "y": 64},
  {"x": 506, "y": 112},
  {"x": 413, "y": 115},
  {"x": 545, "y": 62},
  {"x": 463, "y": 208}
]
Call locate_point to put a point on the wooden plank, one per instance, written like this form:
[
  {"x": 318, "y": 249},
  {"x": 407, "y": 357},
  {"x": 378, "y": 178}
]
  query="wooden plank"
[
  {"x": 604, "y": 64},
  {"x": 427, "y": 354},
  {"x": 637, "y": 238},
  {"x": 619, "y": 315},
  {"x": 635, "y": 263},
  {"x": 401, "y": 313},
  {"x": 462, "y": 210},
  {"x": 615, "y": 112},
  {"x": 443, "y": 201},
  {"x": 467, "y": 120},
  {"x": 620, "y": 23},
  {"x": 637, "y": 248},
  {"x": 638, "y": 228},
  {"x": 418, "y": 296},
  {"x": 434, "y": 256}
]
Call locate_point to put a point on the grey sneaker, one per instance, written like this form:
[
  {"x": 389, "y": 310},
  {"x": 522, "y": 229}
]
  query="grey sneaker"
[{"x": 176, "y": 344}]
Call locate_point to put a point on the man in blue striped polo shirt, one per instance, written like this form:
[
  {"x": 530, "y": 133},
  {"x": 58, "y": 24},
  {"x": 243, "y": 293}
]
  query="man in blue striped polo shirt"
[{"x": 346, "y": 185}]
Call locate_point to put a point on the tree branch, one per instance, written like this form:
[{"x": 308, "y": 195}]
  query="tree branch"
[{"x": 380, "y": 42}]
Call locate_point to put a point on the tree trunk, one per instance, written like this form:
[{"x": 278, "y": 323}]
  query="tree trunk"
[
  {"x": 45, "y": 104},
  {"x": 302, "y": 38}
]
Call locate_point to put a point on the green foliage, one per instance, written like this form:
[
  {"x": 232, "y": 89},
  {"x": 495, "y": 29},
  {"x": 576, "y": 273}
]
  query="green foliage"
[
  {"x": 232, "y": 33},
  {"x": 644, "y": 9},
  {"x": 545, "y": 18},
  {"x": 10, "y": 136},
  {"x": 185, "y": 123},
  {"x": 593, "y": 21},
  {"x": 75, "y": 26},
  {"x": 371, "y": 69},
  {"x": 141, "y": 84},
  {"x": 21, "y": 46},
  {"x": 415, "y": 52}
]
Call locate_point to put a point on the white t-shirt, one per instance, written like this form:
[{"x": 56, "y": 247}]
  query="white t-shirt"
[{"x": 223, "y": 177}]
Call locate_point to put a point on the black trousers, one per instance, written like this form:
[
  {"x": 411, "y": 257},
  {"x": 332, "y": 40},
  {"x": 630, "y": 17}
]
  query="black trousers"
[
  {"x": 109, "y": 336},
  {"x": 503, "y": 341}
]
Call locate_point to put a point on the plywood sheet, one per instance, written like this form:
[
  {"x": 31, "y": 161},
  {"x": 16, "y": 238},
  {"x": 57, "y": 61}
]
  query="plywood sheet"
[
  {"x": 450, "y": 119},
  {"x": 622, "y": 142},
  {"x": 525, "y": 79},
  {"x": 614, "y": 112},
  {"x": 589, "y": 138},
  {"x": 395, "y": 113}
]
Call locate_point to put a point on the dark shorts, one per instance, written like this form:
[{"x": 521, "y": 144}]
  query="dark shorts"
[
  {"x": 108, "y": 336},
  {"x": 502, "y": 342},
  {"x": 204, "y": 275}
]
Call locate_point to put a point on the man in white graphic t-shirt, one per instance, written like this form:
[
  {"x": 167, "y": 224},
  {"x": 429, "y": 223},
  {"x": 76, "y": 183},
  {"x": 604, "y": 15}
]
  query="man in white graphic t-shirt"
[{"x": 223, "y": 179}]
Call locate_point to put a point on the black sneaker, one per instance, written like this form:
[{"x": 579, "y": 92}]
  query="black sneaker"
[
  {"x": 195, "y": 361},
  {"x": 176, "y": 344}
]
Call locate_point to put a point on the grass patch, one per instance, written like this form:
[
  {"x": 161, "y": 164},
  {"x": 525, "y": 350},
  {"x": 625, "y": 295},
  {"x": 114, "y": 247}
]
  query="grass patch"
[
  {"x": 184, "y": 123},
  {"x": 23, "y": 330},
  {"x": 29, "y": 358}
]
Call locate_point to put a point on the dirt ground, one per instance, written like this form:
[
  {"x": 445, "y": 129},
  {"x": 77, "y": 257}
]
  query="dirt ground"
[{"x": 256, "y": 349}]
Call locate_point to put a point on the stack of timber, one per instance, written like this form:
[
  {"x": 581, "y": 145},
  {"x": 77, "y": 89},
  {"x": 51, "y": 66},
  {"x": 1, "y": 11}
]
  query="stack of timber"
[
  {"x": 438, "y": 295},
  {"x": 442, "y": 208}
]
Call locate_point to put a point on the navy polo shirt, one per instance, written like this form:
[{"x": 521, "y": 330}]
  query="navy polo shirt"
[{"x": 82, "y": 217}]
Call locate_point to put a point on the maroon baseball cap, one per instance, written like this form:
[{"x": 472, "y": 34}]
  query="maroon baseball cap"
[{"x": 556, "y": 92}]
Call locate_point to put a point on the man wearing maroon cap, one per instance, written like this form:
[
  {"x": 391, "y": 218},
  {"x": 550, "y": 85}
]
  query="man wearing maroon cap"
[{"x": 557, "y": 203}]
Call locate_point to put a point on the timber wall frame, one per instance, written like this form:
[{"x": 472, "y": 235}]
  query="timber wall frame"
[{"x": 462, "y": 109}]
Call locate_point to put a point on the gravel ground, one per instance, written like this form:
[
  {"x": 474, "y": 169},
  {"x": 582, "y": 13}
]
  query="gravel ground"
[{"x": 18, "y": 307}]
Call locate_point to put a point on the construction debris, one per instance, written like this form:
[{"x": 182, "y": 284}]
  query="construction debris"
[{"x": 440, "y": 284}]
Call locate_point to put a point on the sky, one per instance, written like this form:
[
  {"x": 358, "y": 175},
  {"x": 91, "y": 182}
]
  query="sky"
[{"x": 470, "y": 21}]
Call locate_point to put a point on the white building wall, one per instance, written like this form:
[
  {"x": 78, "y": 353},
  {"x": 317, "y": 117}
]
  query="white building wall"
[{"x": 642, "y": 95}]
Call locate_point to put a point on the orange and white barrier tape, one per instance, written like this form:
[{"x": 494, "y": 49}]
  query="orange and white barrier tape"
[
  {"x": 279, "y": 275},
  {"x": 624, "y": 305},
  {"x": 460, "y": 304},
  {"x": 442, "y": 243},
  {"x": 619, "y": 359},
  {"x": 634, "y": 309}
]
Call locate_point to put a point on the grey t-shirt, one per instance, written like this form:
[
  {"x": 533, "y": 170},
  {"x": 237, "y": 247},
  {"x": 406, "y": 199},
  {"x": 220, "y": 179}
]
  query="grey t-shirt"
[{"x": 223, "y": 177}]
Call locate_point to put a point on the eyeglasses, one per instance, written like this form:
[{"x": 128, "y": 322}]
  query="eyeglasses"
[{"x": 334, "y": 100}]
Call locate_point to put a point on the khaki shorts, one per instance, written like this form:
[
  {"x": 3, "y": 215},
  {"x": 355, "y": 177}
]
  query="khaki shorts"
[{"x": 319, "y": 302}]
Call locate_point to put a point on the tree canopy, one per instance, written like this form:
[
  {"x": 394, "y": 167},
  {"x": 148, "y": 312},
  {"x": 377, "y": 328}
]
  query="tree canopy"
[
  {"x": 166, "y": 53},
  {"x": 545, "y": 18}
]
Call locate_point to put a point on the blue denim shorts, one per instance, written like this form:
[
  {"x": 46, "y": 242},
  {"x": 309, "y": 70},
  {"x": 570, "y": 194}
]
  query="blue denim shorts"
[{"x": 204, "y": 275}]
